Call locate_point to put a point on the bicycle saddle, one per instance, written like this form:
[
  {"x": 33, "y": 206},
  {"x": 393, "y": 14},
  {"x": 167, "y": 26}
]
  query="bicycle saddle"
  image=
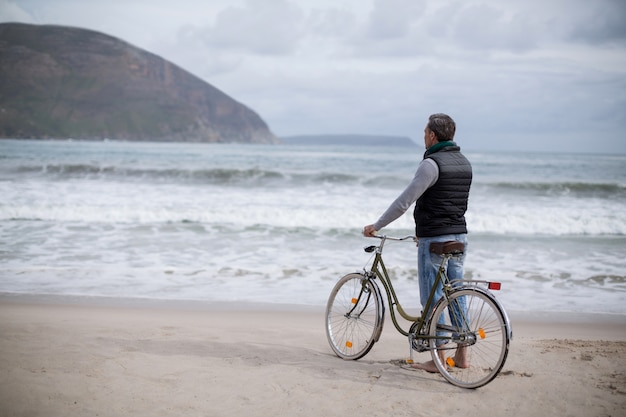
[{"x": 447, "y": 248}]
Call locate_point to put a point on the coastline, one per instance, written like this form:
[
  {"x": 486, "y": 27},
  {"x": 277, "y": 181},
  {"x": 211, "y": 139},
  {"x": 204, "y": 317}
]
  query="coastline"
[{"x": 75, "y": 356}]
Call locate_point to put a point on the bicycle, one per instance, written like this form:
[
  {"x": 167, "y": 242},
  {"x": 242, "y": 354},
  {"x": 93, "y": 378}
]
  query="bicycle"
[{"x": 467, "y": 316}]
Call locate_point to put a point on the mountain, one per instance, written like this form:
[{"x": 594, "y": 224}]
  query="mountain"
[
  {"x": 353, "y": 140},
  {"x": 63, "y": 82}
]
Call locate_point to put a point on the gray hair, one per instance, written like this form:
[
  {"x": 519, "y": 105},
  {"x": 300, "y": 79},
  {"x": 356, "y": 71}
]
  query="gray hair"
[{"x": 442, "y": 126}]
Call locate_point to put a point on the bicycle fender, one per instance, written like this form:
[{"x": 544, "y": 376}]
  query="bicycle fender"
[
  {"x": 488, "y": 293},
  {"x": 381, "y": 317}
]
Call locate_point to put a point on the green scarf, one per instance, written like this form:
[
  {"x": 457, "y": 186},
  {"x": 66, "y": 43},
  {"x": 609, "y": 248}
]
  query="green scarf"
[{"x": 438, "y": 146}]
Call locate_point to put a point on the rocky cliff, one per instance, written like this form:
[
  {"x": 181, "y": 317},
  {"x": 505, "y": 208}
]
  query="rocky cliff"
[{"x": 61, "y": 82}]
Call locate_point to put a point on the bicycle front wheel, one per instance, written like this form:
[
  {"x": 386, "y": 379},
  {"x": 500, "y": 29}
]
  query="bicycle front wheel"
[
  {"x": 470, "y": 337},
  {"x": 354, "y": 316}
]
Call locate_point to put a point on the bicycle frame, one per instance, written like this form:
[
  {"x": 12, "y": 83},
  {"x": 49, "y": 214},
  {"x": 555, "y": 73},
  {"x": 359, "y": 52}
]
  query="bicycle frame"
[{"x": 379, "y": 270}]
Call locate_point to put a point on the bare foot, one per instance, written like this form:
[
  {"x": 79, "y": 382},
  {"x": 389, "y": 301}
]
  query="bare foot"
[
  {"x": 460, "y": 358},
  {"x": 426, "y": 366},
  {"x": 430, "y": 365},
  {"x": 459, "y": 361}
]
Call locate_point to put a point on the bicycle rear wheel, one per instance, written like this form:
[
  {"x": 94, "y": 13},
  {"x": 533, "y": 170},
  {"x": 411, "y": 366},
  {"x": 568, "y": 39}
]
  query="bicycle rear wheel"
[
  {"x": 354, "y": 316},
  {"x": 475, "y": 337}
]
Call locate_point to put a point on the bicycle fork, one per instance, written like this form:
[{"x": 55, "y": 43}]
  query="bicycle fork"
[{"x": 369, "y": 291}]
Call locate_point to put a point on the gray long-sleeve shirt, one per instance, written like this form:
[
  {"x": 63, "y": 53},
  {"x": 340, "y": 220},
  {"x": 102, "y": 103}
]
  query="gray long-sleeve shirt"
[{"x": 425, "y": 177}]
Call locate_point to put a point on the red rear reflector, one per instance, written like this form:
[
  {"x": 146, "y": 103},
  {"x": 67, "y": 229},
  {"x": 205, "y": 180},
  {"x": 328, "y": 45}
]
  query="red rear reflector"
[{"x": 494, "y": 286}]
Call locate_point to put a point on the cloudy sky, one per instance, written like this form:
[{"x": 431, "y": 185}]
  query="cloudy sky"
[{"x": 520, "y": 74}]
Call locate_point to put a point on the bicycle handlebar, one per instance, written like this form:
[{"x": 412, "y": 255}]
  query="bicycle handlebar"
[{"x": 385, "y": 237}]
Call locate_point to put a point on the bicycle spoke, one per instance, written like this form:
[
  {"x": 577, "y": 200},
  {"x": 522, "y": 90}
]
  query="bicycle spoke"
[
  {"x": 352, "y": 317},
  {"x": 481, "y": 336}
]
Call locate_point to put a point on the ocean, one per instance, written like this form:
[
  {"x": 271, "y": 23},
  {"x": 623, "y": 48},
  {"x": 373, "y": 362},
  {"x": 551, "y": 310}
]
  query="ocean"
[{"x": 281, "y": 224}]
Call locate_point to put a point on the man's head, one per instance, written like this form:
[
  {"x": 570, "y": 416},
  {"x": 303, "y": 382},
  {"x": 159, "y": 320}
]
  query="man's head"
[{"x": 440, "y": 128}]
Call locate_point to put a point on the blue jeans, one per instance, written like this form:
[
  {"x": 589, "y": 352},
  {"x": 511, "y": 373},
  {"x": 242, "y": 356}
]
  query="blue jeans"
[{"x": 428, "y": 266}]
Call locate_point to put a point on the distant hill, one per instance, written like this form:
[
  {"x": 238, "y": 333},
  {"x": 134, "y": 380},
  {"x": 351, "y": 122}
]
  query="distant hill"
[
  {"x": 353, "y": 140},
  {"x": 62, "y": 82}
]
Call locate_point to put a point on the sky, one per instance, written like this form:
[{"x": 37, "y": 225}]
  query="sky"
[{"x": 534, "y": 75}]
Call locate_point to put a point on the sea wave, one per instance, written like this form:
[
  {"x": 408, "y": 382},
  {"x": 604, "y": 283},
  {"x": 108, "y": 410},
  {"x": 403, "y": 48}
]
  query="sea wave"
[
  {"x": 276, "y": 177},
  {"x": 575, "y": 189},
  {"x": 86, "y": 171},
  {"x": 216, "y": 176},
  {"x": 297, "y": 217},
  {"x": 293, "y": 265}
]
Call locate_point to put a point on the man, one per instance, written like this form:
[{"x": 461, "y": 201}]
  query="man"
[{"x": 440, "y": 189}]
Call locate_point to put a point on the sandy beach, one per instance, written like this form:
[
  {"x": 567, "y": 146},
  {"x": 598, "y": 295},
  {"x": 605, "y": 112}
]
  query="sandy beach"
[{"x": 72, "y": 356}]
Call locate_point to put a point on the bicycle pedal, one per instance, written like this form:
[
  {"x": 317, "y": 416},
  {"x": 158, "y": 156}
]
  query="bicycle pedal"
[{"x": 419, "y": 345}]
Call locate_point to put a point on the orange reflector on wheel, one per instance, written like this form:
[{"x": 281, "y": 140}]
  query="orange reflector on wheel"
[
  {"x": 450, "y": 362},
  {"x": 481, "y": 333},
  {"x": 495, "y": 286},
  {"x": 348, "y": 344},
  {"x": 354, "y": 300}
]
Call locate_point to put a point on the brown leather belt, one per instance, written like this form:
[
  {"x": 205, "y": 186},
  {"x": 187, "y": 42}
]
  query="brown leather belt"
[{"x": 447, "y": 248}]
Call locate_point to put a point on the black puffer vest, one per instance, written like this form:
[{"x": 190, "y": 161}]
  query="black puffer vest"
[{"x": 441, "y": 209}]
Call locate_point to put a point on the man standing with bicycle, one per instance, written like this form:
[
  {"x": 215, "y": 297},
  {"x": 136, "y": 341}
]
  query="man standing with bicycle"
[{"x": 440, "y": 191}]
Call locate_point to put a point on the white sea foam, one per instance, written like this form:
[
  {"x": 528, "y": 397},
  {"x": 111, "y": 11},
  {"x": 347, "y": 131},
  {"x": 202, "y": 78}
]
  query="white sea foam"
[{"x": 281, "y": 224}]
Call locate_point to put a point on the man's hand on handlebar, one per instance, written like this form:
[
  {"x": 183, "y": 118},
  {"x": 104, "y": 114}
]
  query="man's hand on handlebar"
[{"x": 369, "y": 231}]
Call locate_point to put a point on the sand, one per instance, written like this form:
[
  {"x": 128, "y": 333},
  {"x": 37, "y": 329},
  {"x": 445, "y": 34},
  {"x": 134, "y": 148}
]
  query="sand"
[{"x": 62, "y": 356}]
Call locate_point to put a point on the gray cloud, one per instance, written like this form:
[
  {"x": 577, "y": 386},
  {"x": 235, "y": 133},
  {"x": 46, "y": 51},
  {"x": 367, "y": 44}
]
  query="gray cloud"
[
  {"x": 603, "y": 22},
  {"x": 333, "y": 22},
  {"x": 484, "y": 26},
  {"x": 391, "y": 19},
  {"x": 261, "y": 28}
]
